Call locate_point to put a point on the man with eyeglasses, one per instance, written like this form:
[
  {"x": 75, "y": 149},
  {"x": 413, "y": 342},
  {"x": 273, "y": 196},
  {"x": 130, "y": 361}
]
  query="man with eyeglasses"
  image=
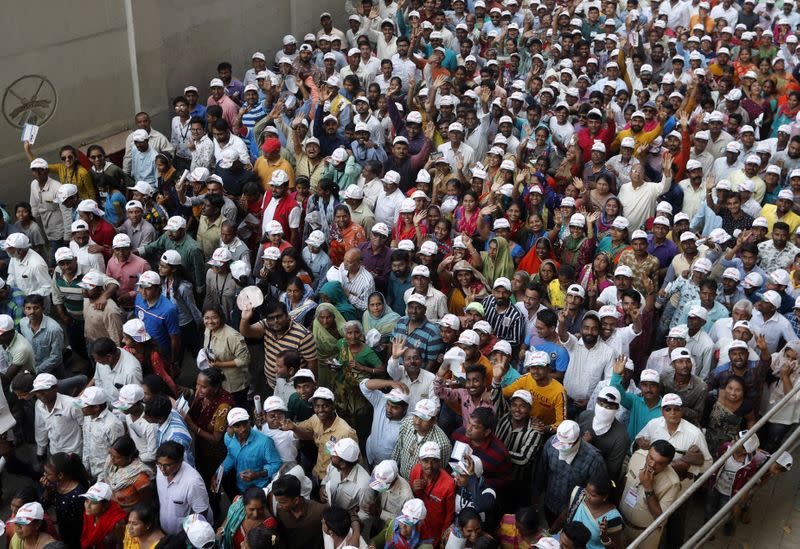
[
  {"x": 181, "y": 490},
  {"x": 691, "y": 453}
]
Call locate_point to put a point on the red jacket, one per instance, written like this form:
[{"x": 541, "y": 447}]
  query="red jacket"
[
  {"x": 440, "y": 502},
  {"x": 282, "y": 211},
  {"x": 752, "y": 464},
  {"x": 586, "y": 140}
]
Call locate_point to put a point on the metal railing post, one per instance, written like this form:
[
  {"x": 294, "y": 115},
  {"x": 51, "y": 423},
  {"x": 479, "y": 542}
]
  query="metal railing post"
[
  {"x": 722, "y": 514},
  {"x": 701, "y": 480}
]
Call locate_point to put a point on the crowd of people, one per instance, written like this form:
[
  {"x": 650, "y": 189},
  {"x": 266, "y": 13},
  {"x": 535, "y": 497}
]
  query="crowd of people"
[{"x": 445, "y": 273}]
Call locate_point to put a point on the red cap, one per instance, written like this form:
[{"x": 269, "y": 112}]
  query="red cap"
[{"x": 271, "y": 145}]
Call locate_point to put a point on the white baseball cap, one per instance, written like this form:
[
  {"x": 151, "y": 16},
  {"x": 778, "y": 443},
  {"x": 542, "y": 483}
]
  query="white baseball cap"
[
  {"x": 275, "y": 404},
  {"x": 426, "y": 409},
  {"x": 324, "y": 393},
  {"x": 17, "y": 240},
  {"x": 649, "y": 376},
  {"x": 43, "y": 382},
  {"x": 346, "y": 449},
  {"x": 129, "y": 394},
  {"x": 175, "y": 223},
  {"x": 64, "y": 254},
  {"x": 430, "y": 449},
  {"x": 135, "y": 329},
  {"x": 92, "y": 396},
  {"x": 316, "y": 238},
  {"x": 148, "y": 279},
  {"x": 237, "y": 415}
]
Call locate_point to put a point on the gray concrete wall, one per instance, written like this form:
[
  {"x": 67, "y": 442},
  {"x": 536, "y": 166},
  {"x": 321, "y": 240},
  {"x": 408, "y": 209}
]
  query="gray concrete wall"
[{"x": 81, "y": 47}]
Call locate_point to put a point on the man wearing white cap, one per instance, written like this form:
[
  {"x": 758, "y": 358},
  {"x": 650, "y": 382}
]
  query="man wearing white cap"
[
  {"x": 376, "y": 254},
  {"x": 455, "y": 152},
  {"x": 435, "y": 300},
  {"x": 130, "y": 402},
  {"x": 160, "y": 316},
  {"x": 622, "y": 163},
  {"x": 506, "y": 320},
  {"x": 567, "y": 461},
  {"x": 101, "y": 428},
  {"x": 359, "y": 211},
  {"x": 389, "y": 411},
  {"x": 157, "y": 140},
  {"x": 602, "y": 428},
  {"x": 176, "y": 238},
  {"x": 252, "y": 457},
  {"x": 139, "y": 229},
  {"x": 219, "y": 97},
  {"x": 59, "y": 421},
  {"x": 680, "y": 379},
  {"x": 81, "y": 245},
  {"x": 44, "y": 206},
  {"x": 27, "y": 270},
  {"x": 324, "y": 428},
  {"x": 643, "y": 407},
  {"x": 589, "y": 361},
  {"x": 143, "y": 159},
  {"x": 125, "y": 267},
  {"x": 417, "y": 331},
  {"x": 782, "y": 210},
  {"x": 405, "y": 367}
]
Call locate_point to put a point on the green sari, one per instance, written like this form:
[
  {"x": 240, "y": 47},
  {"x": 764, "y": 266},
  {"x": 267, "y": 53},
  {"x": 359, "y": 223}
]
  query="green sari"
[
  {"x": 327, "y": 345},
  {"x": 501, "y": 265},
  {"x": 350, "y": 403},
  {"x": 385, "y": 323}
]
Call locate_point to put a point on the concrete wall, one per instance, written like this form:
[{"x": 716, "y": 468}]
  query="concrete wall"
[{"x": 81, "y": 46}]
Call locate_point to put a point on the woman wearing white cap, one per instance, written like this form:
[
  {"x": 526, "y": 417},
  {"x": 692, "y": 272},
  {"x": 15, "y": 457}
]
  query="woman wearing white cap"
[{"x": 29, "y": 532}]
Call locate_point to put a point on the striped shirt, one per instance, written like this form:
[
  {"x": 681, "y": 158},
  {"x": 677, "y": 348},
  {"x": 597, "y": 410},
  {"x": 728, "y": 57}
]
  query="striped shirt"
[
  {"x": 426, "y": 338},
  {"x": 508, "y": 325},
  {"x": 13, "y": 305},
  {"x": 495, "y": 458},
  {"x": 175, "y": 429},
  {"x": 295, "y": 338},
  {"x": 523, "y": 444},
  {"x": 359, "y": 288}
]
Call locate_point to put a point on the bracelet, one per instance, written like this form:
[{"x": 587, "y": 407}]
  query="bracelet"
[{"x": 606, "y": 543}]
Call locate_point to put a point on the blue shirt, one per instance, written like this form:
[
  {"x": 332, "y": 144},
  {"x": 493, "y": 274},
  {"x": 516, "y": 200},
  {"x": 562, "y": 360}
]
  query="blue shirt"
[
  {"x": 395, "y": 296},
  {"x": 160, "y": 320},
  {"x": 47, "y": 343},
  {"x": 640, "y": 413},
  {"x": 115, "y": 197},
  {"x": 559, "y": 356},
  {"x": 426, "y": 338},
  {"x": 199, "y": 110},
  {"x": 174, "y": 428},
  {"x": 257, "y": 454},
  {"x": 385, "y": 432},
  {"x": 143, "y": 166}
]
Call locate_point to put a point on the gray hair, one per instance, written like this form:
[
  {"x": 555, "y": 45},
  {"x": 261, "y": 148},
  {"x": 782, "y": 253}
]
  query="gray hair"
[
  {"x": 353, "y": 324},
  {"x": 744, "y": 305}
]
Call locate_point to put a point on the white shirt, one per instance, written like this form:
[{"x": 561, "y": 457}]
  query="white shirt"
[
  {"x": 350, "y": 491},
  {"x": 99, "y": 433},
  {"x": 773, "y": 329},
  {"x": 387, "y": 208},
  {"x": 586, "y": 366},
  {"x": 731, "y": 15},
  {"x": 269, "y": 213},
  {"x": 420, "y": 388},
  {"x": 183, "y": 495},
  {"x": 374, "y": 126},
  {"x": 30, "y": 274},
  {"x": 466, "y": 152},
  {"x": 702, "y": 349},
  {"x": 143, "y": 434},
  {"x": 620, "y": 340},
  {"x": 235, "y": 142},
  {"x": 285, "y": 442},
  {"x": 111, "y": 379},
  {"x": 180, "y": 137},
  {"x": 640, "y": 203},
  {"x": 435, "y": 303},
  {"x": 658, "y": 360},
  {"x": 684, "y": 436},
  {"x": 59, "y": 429},
  {"x": 88, "y": 261},
  {"x": 372, "y": 191},
  {"x": 677, "y": 15},
  {"x": 721, "y": 329}
]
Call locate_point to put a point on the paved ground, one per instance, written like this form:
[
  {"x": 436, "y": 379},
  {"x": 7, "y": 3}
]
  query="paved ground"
[{"x": 775, "y": 517}]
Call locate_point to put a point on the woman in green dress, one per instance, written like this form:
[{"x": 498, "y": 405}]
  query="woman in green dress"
[
  {"x": 357, "y": 362},
  {"x": 327, "y": 330}
]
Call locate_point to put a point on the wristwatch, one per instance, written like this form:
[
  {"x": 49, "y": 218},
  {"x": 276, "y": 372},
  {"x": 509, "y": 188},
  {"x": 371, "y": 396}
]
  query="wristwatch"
[{"x": 648, "y": 493}]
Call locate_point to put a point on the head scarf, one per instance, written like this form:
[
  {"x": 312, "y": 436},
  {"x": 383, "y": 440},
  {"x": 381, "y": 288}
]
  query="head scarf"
[
  {"x": 335, "y": 293},
  {"x": 501, "y": 265},
  {"x": 531, "y": 262},
  {"x": 326, "y": 343},
  {"x": 384, "y": 323},
  {"x": 463, "y": 265}
]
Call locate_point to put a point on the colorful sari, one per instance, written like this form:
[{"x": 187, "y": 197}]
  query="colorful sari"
[
  {"x": 531, "y": 262},
  {"x": 97, "y": 530},
  {"x": 466, "y": 225},
  {"x": 299, "y": 313},
  {"x": 344, "y": 239},
  {"x": 351, "y": 404},
  {"x": 607, "y": 246},
  {"x": 232, "y": 531},
  {"x": 210, "y": 415}
]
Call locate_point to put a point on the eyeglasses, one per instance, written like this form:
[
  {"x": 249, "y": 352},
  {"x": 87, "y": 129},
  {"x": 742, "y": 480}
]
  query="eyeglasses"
[
  {"x": 68, "y": 157},
  {"x": 163, "y": 466}
]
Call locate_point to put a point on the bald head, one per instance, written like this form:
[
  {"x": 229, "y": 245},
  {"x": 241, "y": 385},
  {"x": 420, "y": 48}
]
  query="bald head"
[{"x": 352, "y": 260}]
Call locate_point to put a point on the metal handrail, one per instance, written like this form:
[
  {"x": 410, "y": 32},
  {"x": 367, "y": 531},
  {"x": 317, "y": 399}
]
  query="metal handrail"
[
  {"x": 709, "y": 525},
  {"x": 700, "y": 481}
]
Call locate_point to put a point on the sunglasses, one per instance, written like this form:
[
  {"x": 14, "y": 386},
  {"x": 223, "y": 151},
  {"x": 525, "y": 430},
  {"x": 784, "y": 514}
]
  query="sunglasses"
[{"x": 68, "y": 157}]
